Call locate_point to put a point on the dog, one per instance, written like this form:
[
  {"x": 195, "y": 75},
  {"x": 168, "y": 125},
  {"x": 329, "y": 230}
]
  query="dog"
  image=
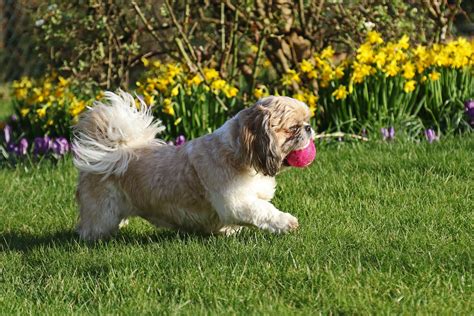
[{"x": 214, "y": 184}]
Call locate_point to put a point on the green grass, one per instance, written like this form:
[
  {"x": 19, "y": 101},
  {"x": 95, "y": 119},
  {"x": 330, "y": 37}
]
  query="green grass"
[
  {"x": 384, "y": 228},
  {"x": 5, "y": 109},
  {"x": 5, "y": 103}
]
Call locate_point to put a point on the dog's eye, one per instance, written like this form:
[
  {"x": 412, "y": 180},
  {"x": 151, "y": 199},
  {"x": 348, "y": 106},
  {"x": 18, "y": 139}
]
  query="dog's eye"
[{"x": 294, "y": 128}]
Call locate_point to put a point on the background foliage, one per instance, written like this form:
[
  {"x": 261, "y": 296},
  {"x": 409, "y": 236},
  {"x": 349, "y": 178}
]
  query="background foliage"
[{"x": 199, "y": 62}]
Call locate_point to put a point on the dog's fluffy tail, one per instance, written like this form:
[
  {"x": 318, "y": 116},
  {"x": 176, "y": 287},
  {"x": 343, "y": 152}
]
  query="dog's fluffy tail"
[{"x": 107, "y": 134}]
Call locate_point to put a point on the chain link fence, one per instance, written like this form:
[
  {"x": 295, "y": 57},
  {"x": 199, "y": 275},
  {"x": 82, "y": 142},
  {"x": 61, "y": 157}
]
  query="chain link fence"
[{"x": 17, "y": 55}]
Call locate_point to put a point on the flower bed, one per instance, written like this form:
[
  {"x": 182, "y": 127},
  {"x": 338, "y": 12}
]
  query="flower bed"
[{"x": 420, "y": 91}]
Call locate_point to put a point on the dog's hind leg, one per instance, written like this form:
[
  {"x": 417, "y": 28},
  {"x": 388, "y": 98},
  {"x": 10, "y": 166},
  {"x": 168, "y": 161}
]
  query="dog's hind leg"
[{"x": 102, "y": 208}]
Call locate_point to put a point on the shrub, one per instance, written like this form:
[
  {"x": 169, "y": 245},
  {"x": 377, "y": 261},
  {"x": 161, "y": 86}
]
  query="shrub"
[{"x": 103, "y": 41}]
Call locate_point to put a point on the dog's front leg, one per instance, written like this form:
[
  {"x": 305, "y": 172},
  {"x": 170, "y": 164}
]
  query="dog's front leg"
[{"x": 256, "y": 212}]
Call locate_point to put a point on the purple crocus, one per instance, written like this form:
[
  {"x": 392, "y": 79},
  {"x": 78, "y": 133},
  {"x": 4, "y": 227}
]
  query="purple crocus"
[
  {"x": 22, "y": 147},
  {"x": 12, "y": 148},
  {"x": 430, "y": 135},
  {"x": 180, "y": 140},
  {"x": 60, "y": 146},
  {"x": 388, "y": 134},
  {"x": 7, "y": 133},
  {"x": 42, "y": 145},
  {"x": 469, "y": 110}
]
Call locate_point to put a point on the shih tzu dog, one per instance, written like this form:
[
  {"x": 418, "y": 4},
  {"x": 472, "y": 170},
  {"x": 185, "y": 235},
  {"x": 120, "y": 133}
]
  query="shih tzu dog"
[{"x": 213, "y": 184}]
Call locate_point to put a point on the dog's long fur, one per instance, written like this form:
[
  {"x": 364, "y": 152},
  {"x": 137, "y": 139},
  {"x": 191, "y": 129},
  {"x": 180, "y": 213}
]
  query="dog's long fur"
[{"x": 213, "y": 184}]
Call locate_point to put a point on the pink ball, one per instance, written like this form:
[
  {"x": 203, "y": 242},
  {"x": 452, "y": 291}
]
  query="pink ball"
[{"x": 302, "y": 157}]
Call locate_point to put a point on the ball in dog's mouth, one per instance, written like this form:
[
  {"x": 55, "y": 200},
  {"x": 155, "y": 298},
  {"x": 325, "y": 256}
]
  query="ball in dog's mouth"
[{"x": 302, "y": 157}]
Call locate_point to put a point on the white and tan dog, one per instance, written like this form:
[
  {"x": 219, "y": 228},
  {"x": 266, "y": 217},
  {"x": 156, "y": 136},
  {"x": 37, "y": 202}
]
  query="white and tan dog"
[{"x": 213, "y": 184}]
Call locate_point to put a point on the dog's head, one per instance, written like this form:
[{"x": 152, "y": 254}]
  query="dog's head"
[{"x": 271, "y": 129}]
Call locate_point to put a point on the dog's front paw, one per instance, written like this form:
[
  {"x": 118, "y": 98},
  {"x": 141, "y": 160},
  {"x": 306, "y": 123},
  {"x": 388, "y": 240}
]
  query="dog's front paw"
[{"x": 283, "y": 223}]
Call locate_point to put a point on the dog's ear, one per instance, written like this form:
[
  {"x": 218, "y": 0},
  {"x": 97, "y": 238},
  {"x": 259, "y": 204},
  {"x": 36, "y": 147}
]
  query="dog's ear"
[{"x": 258, "y": 141}]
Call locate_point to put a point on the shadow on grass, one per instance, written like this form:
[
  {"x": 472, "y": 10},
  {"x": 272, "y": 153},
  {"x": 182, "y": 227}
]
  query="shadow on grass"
[{"x": 26, "y": 241}]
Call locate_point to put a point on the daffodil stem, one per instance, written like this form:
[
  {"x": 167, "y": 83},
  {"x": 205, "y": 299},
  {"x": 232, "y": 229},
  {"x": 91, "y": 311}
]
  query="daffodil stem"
[{"x": 257, "y": 60}]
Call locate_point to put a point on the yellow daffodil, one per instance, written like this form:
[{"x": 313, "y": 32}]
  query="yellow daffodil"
[
  {"x": 175, "y": 91},
  {"x": 319, "y": 62},
  {"x": 409, "y": 86},
  {"x": 21, "y": 94},
  {"x": 408, "y": 70},
  {"x": 434, "y": 75},
  {"x": 306, "y": 66},
  {"x": 177, "y": 121},
  {"x": 162, "y": 84},
  {"x": 259, "y": 92},
  {"x": 365, "y": 53},
  {"x": 313, "y": 74},
  {"x": 340, "y": 93},
  {"x": 145, "y": 61},
  {"x": 149, "y": 99},
  {"x": 24, "y": 82},
  {"x": 339, "y": 72},
  {"x": 360, "y": 71},
  {"x": 373, "y": 37},
  {"x": 299, "y": 96},
  {"x": 63, "y": 82},
  {"x": 210, "y": 74},
  {"x": 173, "y": 70},
  {"x": 230, "y": 91},
  {"x": 168, "y": 107},
  {"x": 195, "y": 80},
  {"x": 218, "y": 85},
  {"x": 404, "y": 42},
  {"x": 77, "y": 106},
  {"x": 391, "y": 69},
  {"x": 380, "y": 59},
  {"x": 24, "y": 112},
  {"x": 442, "y": 59},
  {"x": 41, "y": 112},
  {"x": 290, "y": 77},
  {"x": 138, "y": 103},
  {"x": 311, "y": 99},
  {"x": 327, "y": 74},
  {"x": 327, "y": 53}
]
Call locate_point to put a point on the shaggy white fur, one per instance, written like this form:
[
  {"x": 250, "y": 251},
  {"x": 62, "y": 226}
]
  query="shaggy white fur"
[{"x": 121, "y": 128}]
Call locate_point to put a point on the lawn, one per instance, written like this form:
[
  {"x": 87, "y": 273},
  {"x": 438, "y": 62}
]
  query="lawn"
[
  {"x": 384, "y": 228},
  {"x": 5, "y": 108}
]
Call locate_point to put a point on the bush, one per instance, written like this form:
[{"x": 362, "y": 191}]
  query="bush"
[{"x": 103, "y": 41}]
